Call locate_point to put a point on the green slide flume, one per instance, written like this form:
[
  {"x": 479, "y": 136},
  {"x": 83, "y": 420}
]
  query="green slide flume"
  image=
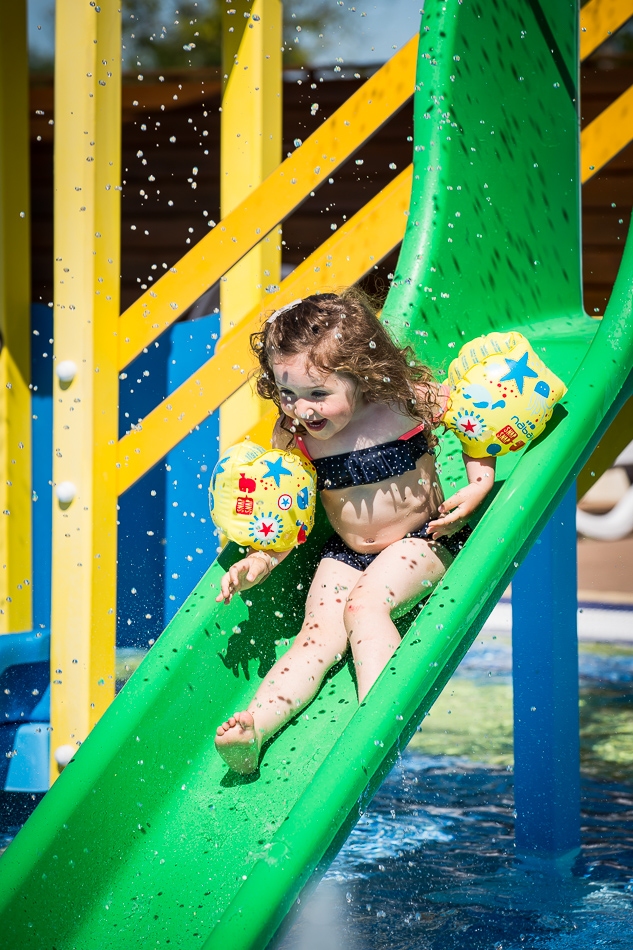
[{"x": 146, "y": 839}]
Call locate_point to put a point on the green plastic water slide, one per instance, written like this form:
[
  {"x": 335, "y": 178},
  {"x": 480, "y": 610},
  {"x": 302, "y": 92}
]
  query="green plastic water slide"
[{"x": 146, "y": 839}]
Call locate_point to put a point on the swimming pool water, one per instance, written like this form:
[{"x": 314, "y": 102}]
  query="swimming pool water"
[{"x": 431, "y": 865}]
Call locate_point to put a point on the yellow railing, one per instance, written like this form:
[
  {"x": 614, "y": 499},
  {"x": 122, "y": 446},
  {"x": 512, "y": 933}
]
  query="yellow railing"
[
  {"x": 612, "y": 130},
  {"x": 607, "y": 135},
  {"x": 351, "y": 251},
  {"x": 319, "y": 156},
  {"x": 599, "y": 19}
]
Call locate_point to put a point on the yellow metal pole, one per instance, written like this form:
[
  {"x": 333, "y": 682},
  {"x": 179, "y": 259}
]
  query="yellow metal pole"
[
  {"x": 15, "y": 296},
  {"x": 250, "y": 149},
  {"x": 87, "y": 267}
]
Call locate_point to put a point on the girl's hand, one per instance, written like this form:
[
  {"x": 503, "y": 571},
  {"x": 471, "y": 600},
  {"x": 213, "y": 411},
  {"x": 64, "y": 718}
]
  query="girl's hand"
[
  {"x": 244, "y": 574},
  {"x": 455, "y": 511}
]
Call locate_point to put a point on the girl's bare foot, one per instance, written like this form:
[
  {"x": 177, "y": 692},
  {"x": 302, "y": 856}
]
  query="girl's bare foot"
[{"x": 236, "y": 741}]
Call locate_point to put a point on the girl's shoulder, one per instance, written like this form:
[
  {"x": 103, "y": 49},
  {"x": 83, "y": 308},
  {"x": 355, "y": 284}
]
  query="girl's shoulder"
[
  {"x": 433, "y": 386},
  {"x": 438, "y": 393},
  {"x": 281, "y": 438},
  {"x": 442, "y": 392}
]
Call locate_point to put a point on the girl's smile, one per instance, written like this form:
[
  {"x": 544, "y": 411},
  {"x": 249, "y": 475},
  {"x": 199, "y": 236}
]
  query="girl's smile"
[
  {"x": 315, "y": 425},
  {"x": 323, "y": 404}
]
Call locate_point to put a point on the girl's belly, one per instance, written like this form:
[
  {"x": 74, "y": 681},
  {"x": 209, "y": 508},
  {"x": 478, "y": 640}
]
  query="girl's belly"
[{"x": 371, "y": 517}]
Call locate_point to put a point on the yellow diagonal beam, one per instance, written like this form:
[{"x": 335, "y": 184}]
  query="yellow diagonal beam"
[
  {"x": 320, "y": 155},
  {"x": 599, "y": 19},
  {"x": 607, "y": 135},
  {"x": 351, "y": 252}
]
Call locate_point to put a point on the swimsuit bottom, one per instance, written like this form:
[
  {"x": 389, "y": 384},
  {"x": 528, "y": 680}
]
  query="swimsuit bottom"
[{"x": 336, "y": 548}]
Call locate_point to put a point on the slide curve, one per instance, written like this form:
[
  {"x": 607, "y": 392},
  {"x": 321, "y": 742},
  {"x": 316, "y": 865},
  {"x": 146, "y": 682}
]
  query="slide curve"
[{"x": 146, "y": 839}]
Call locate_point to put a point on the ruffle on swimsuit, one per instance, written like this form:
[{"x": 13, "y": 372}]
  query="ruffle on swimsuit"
[{"x": 371, "y": 465}]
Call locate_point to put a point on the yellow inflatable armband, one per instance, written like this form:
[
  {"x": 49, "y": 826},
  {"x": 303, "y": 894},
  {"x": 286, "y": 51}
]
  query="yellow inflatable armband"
[
  {"x": 263, "y": 499},
  {"x": 501, "y": 394}
]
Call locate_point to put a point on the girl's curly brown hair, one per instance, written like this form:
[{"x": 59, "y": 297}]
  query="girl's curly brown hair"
[{"x": 340, "y": 333}]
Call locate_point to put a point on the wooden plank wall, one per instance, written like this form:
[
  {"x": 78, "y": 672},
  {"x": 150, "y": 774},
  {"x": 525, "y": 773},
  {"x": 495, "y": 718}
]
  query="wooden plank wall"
[{"x": 171, "y": 127}]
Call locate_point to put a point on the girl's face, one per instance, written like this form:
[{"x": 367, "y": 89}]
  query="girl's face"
[{"x": 323, "y": 404}]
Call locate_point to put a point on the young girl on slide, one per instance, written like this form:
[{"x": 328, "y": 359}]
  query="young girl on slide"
[{"x": 363, "y": 410}]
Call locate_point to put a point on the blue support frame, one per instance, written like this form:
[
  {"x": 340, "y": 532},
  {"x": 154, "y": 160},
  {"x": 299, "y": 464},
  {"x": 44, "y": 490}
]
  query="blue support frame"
[
  {"x": 166, "y": 538},
  {"x": 24, "y": 657},
  {"x": 42, "y": 467},
  {"x": 166, "y": 541},
  {"x": 545, "y": 683},
  {"x": 191, "y": 537}
]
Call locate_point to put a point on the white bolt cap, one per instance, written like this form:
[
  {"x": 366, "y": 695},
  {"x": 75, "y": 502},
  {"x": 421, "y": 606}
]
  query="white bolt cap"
[
  {"x": 66, "y": 371},
  {"x": 63, "y": 754},
  {"x": 65, "y": 492}
]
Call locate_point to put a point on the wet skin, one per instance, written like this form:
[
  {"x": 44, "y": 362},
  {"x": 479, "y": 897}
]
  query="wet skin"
[{"x": 346, "y": 607}]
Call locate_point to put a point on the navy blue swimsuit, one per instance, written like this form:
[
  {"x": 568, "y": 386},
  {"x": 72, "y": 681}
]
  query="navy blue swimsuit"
[{"x": 368, "y": 467}]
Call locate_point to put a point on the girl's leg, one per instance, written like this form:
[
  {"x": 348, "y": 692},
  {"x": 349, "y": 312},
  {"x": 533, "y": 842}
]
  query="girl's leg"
[
  {"x": 392, "y": 583},
  {"x": 295, "y": 679}
]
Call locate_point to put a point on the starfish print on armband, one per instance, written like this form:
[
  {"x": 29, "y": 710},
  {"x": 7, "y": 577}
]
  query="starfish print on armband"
[
  {"x": 518, "y": 370},
  {"x": 275, "y": 470}
]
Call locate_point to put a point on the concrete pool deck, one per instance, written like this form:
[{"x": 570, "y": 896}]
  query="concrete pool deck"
[{"x": 605, "y": 594}]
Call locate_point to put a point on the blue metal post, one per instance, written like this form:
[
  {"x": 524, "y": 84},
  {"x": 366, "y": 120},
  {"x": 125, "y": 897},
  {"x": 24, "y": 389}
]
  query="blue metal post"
[
  {"x": 191, "y": 539},
  {"x": 545, "y": 678},
  {"x": 42, "y": 469},
  {"x": 166, "y": 538},
  {"x": 141, "y": 533}
]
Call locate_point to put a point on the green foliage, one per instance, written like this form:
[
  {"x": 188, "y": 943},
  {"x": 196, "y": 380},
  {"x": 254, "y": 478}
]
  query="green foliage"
[
  {"x": 161, "y": 36},
  {"x": 173, "y": 35}
]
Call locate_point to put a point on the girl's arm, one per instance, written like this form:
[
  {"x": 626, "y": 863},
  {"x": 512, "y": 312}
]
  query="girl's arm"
[
  {"x": 281, "y": 438},
  {"x": 456, "y": 510},
  {"x": 257, "y": 565}
]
